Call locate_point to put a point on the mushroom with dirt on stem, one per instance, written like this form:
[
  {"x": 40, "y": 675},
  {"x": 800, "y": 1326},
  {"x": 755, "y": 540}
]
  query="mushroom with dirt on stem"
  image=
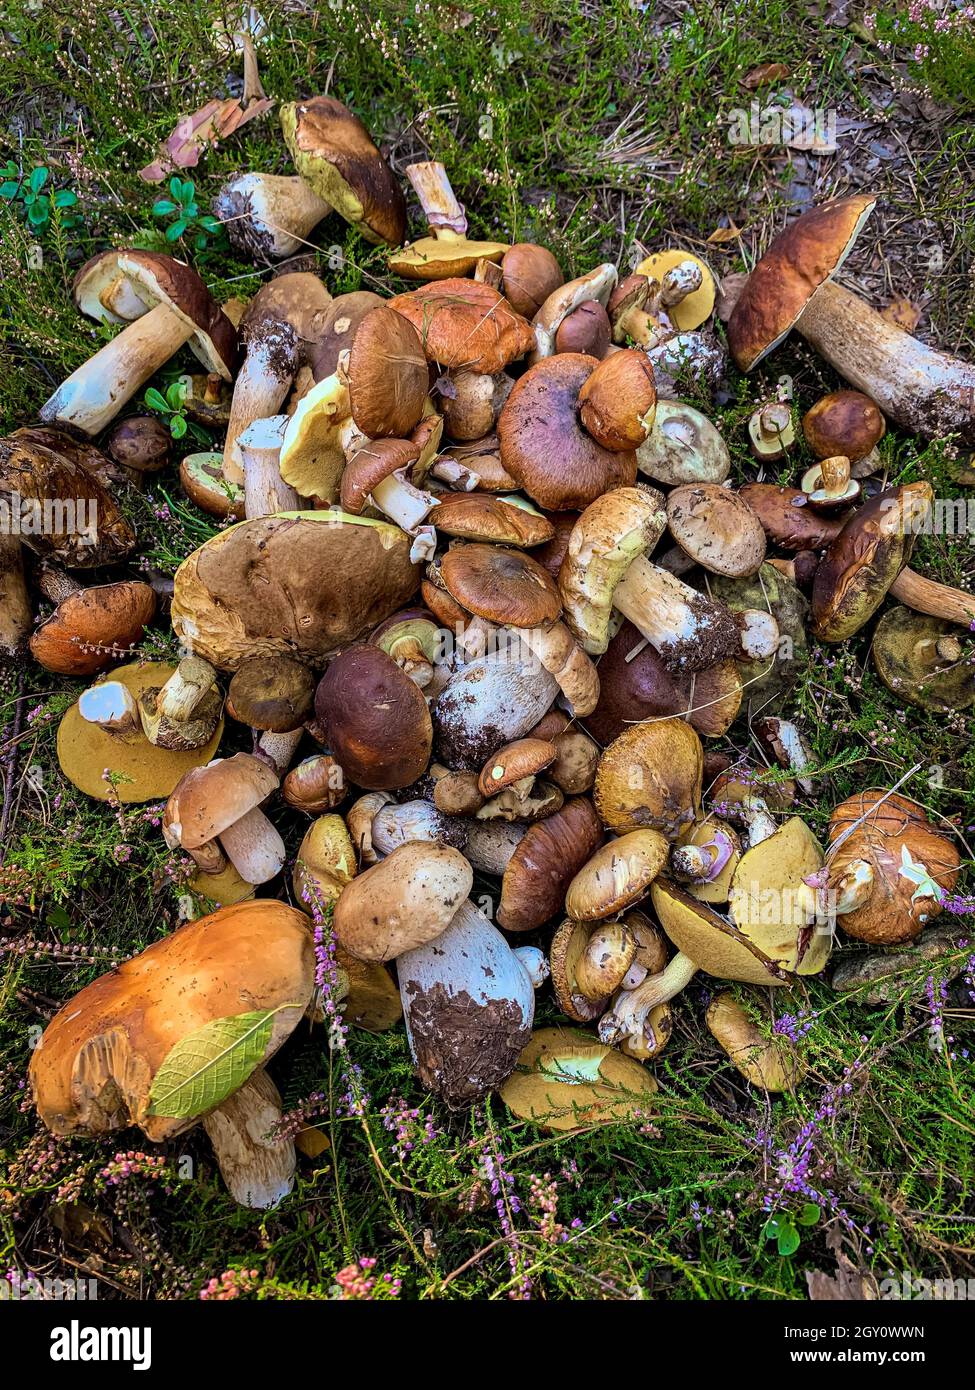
[{"x": 268, "y": 216}]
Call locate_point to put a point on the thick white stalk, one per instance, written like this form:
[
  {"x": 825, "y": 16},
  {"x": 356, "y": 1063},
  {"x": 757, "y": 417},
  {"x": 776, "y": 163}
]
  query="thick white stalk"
[{"x": 254, "y": 847}]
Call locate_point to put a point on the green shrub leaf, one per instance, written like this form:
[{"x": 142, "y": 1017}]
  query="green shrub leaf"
[{"x": 206, "y": 1067}]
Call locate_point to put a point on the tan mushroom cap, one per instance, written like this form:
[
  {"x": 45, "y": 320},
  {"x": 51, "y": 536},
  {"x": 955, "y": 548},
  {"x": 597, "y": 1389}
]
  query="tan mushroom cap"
[
  {"x": 713, "y": 943},
  {"x": 501, "y": 585},
  {"x": 297, "y": 298},
  {"x": 335, "y": 155},
  {"x": 201, "y": 477},
  {"x": 312, "y": 455},
  {"x": 695, "y": 308},
  {"x": 372, "y": 463},
  {"x": 404, "y": 901},
  {"x": 208, "y": 800},
  {"x": 339, "y": 327},
  {"x": 844, "y": 422},
  {"x": 484, "y": 516},
  {"x": 525, "y": 757},
  {"x": 444, "y": 257},
  {"x": 91, "y": 628},
  {"x": 298, "y": 583},
  {"x": 465, "y": 325},
  {"x": 388, "y": 376},
  {"x": 529, "y": 275},
  {"x": 568, "y": 946},
  {"x": 618, "y": 401},
  {"x": 773, "y": 906},
  {"x": 325, "y": 863},
  {"x": 763, "y": 1062},
  {"x": 650, "y": 778},
  {"x": 617, "y": 876},
  {"x": 716, "y": 529},
  {"x": 94, "y": 1066},
  {"x": 799, "y": 260},
  {"x": 567, "y": 1080},
  {"x": 145, "y": 773}
]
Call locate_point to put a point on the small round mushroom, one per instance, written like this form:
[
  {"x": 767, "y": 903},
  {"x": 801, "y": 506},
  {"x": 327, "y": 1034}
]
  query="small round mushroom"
[
  {"x": 922, "y": 660},
  {"x": 844, "y": 422},
  {"x": 222, "y": 801},
  {"x": 406, "y": 900},
  {"x": 414, "y": 641},
  {"x": 771, "y": 431},
  {"x": 587, "y": 329},
  {"x": 650, "y": 778},
  {"x": 516, "y": 766},
  {"x": 140, "y": 443},
  {"x": 829, "y": 486},
  {"x": 618, "y": 401},
  {"x": 716, "y": 529},
  {"x": 529, "y": 274},
  {"x": 325, "y": 863},
  {"x": 501, "y": 585},
  {"x": 274, "y": 693},
  {"x": 376, "y": 720}
]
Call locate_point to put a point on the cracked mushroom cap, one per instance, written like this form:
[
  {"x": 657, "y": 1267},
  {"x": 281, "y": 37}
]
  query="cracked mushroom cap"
[
  {"x": 372, "y": 463},
  {"x": 543, "y": 444},
  {"x": 120, "y": 286},
  {"x": 921, "y": 660},
  {"x": 404, "y": 901},
  {"x": 650, "y": 778},
  {"x": 504, "y": 586},
  {"x": 298, "y": 583},
  {"x": 865, "y": 559},
  {"x": 93, "y": 1070},
  {"x": 526, "y": 757},
  {"x": 844, "y": 422},
  {"x": 912, "y": 864},
  {"x": 529, "y": 274},
  {"x": 274, "y": 693},
  {"x": 800, "y": 259},
  {"x": 683, "y": 447},
  {"x": 618, "y": 401},
  {"x": 771, "y": 904},
  {"x": 544, "y": 863},
  {"x": 388, "y": 376},
  {"x": 376, "y": 719},
  {"x": 91, "y": 628},
  {"x": 335, "y": 155},
  {"x": 787, "y": 518},
  {"x": 141, "y": 771},
  {"x": 716, "y": 528},
  {"x": 617, "y": 876},
  {"x": 487, "y": 517},
  {"x": 208, "y": 800},
  {"x": 465, "y": 325},
  {"x": 566, "y": 1079}
]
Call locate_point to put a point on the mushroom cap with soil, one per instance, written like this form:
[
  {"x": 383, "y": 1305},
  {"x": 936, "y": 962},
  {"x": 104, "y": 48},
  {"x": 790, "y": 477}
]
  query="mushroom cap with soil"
[
  {"x": 465, "y": 325},
  {"x": 376, "y": 720},
  {"x": 683, "y": 447},
  {"x": 405, "y": 901},
  {"x": 335, "y": 155},
  {"x": 91, "y": 628},
  {"x": 102, "y": 1061},
  {"x": 567, "y": 1080},
  {"x": 487, "y": 703},
  {"x": 844, "y": 422},
  {"x": 139, "y": 771},
  {"x": 300, "y": 584},
  {"x": 650, "y": 778},
  {"x": 922, "y": 661},
  {"x": 716, "y": 528}
]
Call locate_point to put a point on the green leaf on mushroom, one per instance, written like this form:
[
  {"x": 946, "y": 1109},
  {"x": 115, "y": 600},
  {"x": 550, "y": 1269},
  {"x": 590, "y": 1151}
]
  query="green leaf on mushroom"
[{"x": 206, "y": 1067}]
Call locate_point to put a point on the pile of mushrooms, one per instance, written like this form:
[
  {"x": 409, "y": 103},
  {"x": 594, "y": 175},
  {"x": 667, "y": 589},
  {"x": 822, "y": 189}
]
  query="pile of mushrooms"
[{"x": 481, "y": 589}]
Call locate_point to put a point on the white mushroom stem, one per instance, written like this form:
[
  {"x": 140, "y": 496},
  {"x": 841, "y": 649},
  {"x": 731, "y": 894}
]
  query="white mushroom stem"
[
  {"x": 269, "y": 213},
  {"x": 598, "y": 284},
  {"x": 680, "y": 281},
  {"x": 926, "y": 391},
  {"x": 753, "y": 813},
  {"x": 758, "y": 634},
  {"x": 254, "y": 847},
  {"x": 93, "y": 395},
  {"x": 629, "y": 1016},
  {"x": 937, "y": 600},
  {"x": 15, "y": 606},
  {"x": 835, "y": 476},
  {"x": 113, "y": 708},
  {"x": 455, "y": 475},
  {"x": 440, "y": 206},
  {"x": 185, "y": 688},
  {"x": 562, "y": 657},
  {"x": 403, "y": 503},
  {"x": 259, "y": 452},
  {"x": 854, "y": 888},
  {"x": 424, "y": 545},
  {"x": 257, "y": 1168},
  {"x": 686, "y": 627},
  {"x": 490, "y": 845},
  {"x": 260, "y": 390},
  {"x": 279, "y": 748},
  {"x": 534, "y": 963}
]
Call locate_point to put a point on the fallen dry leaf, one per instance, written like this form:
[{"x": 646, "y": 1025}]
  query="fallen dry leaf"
[
  {"x": 721, "y": 235},
  {"x": 730, "y": 287},
  {"x": 764, "y": 74},
  {"x": 847, "y": 1285},
  {"x": 902, "y": 313}
]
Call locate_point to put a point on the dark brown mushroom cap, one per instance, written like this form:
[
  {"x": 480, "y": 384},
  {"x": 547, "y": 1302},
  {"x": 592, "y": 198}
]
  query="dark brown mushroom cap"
[
  {"x": 465, "y": 325},
  {"x": 525, "y": 757},
  {"x": 161, "y": 280},
  {"x": 503, "y": 586},
  {"x": 302, "y": 584},
  {"x": 376, "y": 719},
  {"x": 548, "y": 857},
  {"x": 93, "y": 628},
  {"x": 372, "y": 463},
  {"x": 529, "y": 274},
  {"x": 634, "y": 687},
  {"x": 800, "y": 259},
  {"x": 339, "y": 327},
  {"x": 544, "y": 446},
  {"x": 81, "y": 451},
  {"x": 921, "y": 660},
  {"x": 81, "y": 523},
  {"x": 483, "y": 516},
  {"x": 865, "y": 559},
  {"x": 388, "y": 376},
  {"x": 271, "y": 692},
  {"x": 787, "y": 518},
  {"x": 844, "y": 422},
  {"x": 335, "y": 155},
  {"x": 717, "y": 528},
  {"x": 94, "y": 1067},
  {"x": 141, "y": 442},
  {"x": 587, "y": 329}
]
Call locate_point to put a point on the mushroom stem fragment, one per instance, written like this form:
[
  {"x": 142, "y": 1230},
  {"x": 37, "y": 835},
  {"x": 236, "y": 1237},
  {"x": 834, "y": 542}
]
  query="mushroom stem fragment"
[
  {"x": 254, "y": 847},
  {"x": 260, "y": 390},
  {"x": 258, "y": 1169},
  {"x": 259, "y": 452},
  {"x": 112, "y": 707},
  {"x": 185, "y": 688},
  {"x": 937, "y": 600},
  {"x": 630, "y": 1012}
]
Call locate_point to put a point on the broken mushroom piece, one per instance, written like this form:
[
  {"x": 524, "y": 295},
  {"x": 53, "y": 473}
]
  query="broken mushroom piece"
[
  {"x": 164, "y": 305},
  {"x": 770, "y": 431},
  {"x": 268, "y": 216},
  {"x": 489, "y": 701},
  {"x": 593, "y": 288},
  {"x": 193, "y": 729},
  {"x": 222, "y": 801},
  {"x": 922, "y": 660},
  {"x": 683, "y": 447},
  {"x": 566, "y": 1080},
  {"x": 705, "y": 859},
  {"x": 829, "y": 486},
  {"x": 447, "y": 252},
  {"x": 686, "y": 287},
  {"x": 764, "y": 1062},
  {"x": 926, "y": 391},
  {"x": 844, "y": 422},
  {"x": 889, "y": 867},
  {"x": 125, "y": 1050},
  {"x": 375, "y": 718},
  {"x": 650, "y": 778}
]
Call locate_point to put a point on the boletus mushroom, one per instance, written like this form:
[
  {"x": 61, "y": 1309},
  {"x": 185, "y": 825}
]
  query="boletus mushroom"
[
  {"x": 567, "y": 1080},
  {"x": 923, "y": 660},
  {"x": 766, "y": 1063},
  {"x": 446, "y": 252}
]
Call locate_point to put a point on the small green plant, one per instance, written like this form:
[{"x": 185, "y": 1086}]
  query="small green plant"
[
  {"x": 183, "y": 208},
  {"x": 169, "y": 405},
  {"x": 28, "y": 196},
  {"x": 783, "y": 1227}
]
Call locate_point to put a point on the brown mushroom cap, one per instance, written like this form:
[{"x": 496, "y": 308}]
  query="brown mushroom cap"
[
  {"x": 388, "y": 376},
  {"x": 372, "y": 463},
  {"x": 484, "y": 516},
  {"x": 543, "y": 444},
  {"x": 314, "y": 785},
  {"x": 503, "y": 586},
  {"x": 567, "y": 1080},
  {"x": 586, "y": 329},
  {"x": 763, "y": 1062},
  {"x": 208, "y": 800},
  {"x": 144, "y": 772},
  {"x": 716, "y": 528},
  {"x": 920, "y": 660},
  {"x": 335, "y": 155},
  {"x": 787, "y": 518},
  {"x": 201, "y": 477},
  {"x": 844, "y": 422},
  {"x": 529, "y": 275},
  {"x": 465, "y": 325},
  {"x": 93, "y": 1069},
  {"x": 376, "y": 719},
  {"x": 273, "y": 693},
  {"x": 80, "y": 451},
  {"x": 338, "y": 329},
  {"x": 302, "y": 584},
  {"x": 800, "y": 259},
  {"x": 547, "y": 858},
  {"x": 619, "y": 400},
  {"x": 141, "y": 442},
  {"x": 650, "y": 777},
  {"x": 526, "y": 757},
  {"x": 91, "y": 628},
  {"x": 617, "y": 875},
  {"x": 404, "y": 901}
]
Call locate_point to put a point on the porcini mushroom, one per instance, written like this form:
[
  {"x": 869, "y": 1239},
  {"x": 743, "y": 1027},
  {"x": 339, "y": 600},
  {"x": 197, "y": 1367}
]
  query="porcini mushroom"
[
  {"x": 922, "y": 660},
  {"x": 566, "y": 1080},
  {"x": 716, "y": 529},
  {"x": 529, "y": 274},
  {"x": 376, "y": 720},
  {"x": 268, "y": 216},
  {"x": 844, "y": 422},
  {"x": 447, "y": 252},
  {"x": 829, "y": 486},
  {"x": 90, "y": 628},
  {"x": 616, "y": 877},
  {"x": 683, "y": 447},
  {"x": 223, "y": 801},
  {"x": 618, "y": 401},
  {"x": 465, "y": 325},
  {"x": 764, "y": 1062}
]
